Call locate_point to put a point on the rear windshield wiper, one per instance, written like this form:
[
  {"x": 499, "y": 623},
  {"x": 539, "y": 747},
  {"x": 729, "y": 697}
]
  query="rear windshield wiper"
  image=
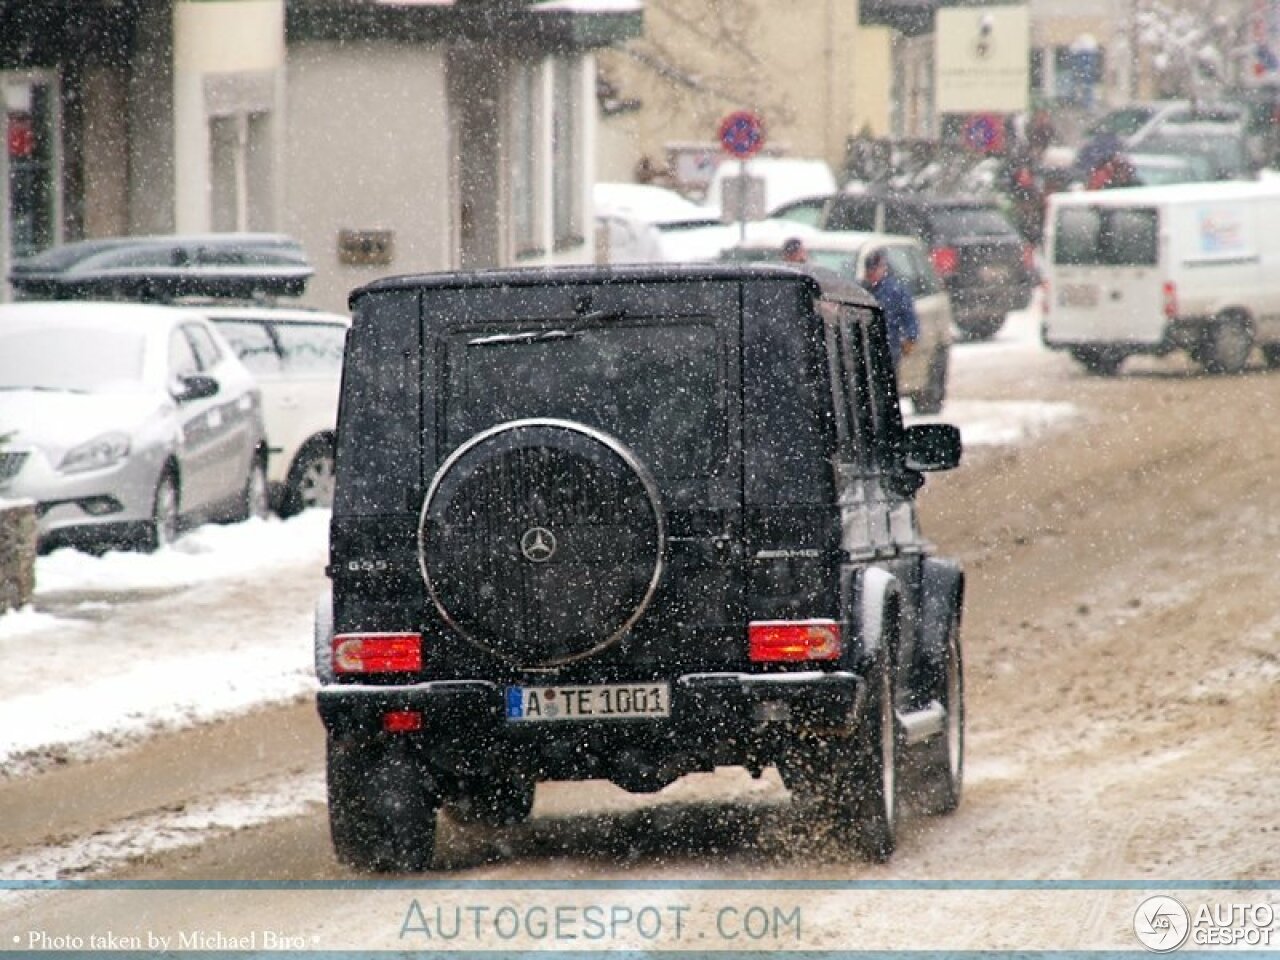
[{"x": 571, "y": 329}]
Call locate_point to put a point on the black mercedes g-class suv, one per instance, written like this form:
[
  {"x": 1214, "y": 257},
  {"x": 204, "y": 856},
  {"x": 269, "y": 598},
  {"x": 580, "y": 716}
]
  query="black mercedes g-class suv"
[{"x": 629, "y": 523}]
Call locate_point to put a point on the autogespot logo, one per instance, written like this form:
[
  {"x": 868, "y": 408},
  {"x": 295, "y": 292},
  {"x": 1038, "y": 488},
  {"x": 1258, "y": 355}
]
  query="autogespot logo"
[{"x": 1161, "y": 924}]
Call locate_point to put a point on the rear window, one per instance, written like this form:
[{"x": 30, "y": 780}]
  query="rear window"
[
  {"x": 843, "y": 262},
  {"x": 1225, "y": 152},
  {"x": 252, "y": 344},
  {"x": 852, "y": 214},
  {"x": 312, "y": 349},
  {"x": 652, "y": 384},
  {"x": 970, "y": 222},
  {"x": 1087, "y": 236},
  {"x": 1122, "y": 122}
]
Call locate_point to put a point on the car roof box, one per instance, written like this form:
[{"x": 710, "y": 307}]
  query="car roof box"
[{"x": 232, "y": 265}]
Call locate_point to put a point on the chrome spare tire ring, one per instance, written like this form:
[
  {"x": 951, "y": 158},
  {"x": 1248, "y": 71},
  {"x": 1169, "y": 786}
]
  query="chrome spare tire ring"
[{"x": 531, "y": 548}]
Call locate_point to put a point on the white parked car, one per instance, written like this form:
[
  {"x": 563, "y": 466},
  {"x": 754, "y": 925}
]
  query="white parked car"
[
  {"x": 922, "y": 375},
  {"x": 125, "y": 422},
  {"x": 296, "y": 355},
  {"x": 782, "y": 180},
  {"x": 648, "y": 224},
  {"x": 643, "y": 223}
]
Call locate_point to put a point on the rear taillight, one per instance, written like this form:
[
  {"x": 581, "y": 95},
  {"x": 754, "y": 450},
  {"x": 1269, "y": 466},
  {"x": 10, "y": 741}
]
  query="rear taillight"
[
  {"x": 790, "y": 641},
  {"x": 945, "y": 260},
  {"x": 1170, "y": 300},
  {"x": 1029, "y": 258},
  {"x": 377, "y": 652}
]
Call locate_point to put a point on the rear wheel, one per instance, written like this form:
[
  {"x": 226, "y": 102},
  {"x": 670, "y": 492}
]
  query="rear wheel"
[
  {"x": 939, "y": 762},
  {"x": 1100, "y": 361},
  {"x": 853, "y": 781},
  {"x": 311, "y": 479},
  {"x": 382, "y": 809},
  {"x": 162, "y": 529},
  {"x": 981, "y": 328},
  {"x": 495, "y": 803},
  {"x": 875, "y": 769},
  {"x": 1226, "y": 345}
]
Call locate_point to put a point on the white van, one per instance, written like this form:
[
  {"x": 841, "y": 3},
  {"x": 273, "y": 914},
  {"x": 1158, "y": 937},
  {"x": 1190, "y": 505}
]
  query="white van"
[{"x": 1191, "y": 266}]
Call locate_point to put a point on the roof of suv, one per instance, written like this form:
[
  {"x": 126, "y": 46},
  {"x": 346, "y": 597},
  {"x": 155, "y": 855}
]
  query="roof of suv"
[
  {"x": 823, "y": 282},
  {"x": 882, "y": 194},
  {"x": 845, "y": 240}
]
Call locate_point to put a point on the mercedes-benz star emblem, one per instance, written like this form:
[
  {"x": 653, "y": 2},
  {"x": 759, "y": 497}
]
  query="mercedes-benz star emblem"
[{"x": 538, "y": 544}]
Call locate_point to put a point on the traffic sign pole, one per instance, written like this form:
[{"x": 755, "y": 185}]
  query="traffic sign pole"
[{"x": 741, "y": 136}]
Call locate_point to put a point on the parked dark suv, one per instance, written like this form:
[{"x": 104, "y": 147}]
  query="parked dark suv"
[
  {"x": 986, "y": 265},
  {"x": 628, "y": 524}
]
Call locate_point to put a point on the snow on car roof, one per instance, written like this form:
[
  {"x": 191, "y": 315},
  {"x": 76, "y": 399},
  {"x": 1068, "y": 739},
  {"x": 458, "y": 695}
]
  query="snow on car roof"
[
  {"x": 646, "y": 202},
  {"x": 92, "y": 312},
  {"x": 247, "y": 311}
]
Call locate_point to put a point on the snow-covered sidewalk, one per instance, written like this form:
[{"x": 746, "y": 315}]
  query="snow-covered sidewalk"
[{"x": 126, "y": 644}]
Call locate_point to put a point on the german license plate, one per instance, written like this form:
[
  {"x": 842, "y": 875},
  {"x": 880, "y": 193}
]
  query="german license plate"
[
  {"x": 610, "y": 701},
  {"x": 1078, "y": 295}
]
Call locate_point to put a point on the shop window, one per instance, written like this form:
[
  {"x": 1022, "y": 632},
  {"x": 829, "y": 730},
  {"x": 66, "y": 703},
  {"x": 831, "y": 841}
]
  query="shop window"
[
  {"x": 30, "y": 127},
  {"x": 240, "y": 172}
]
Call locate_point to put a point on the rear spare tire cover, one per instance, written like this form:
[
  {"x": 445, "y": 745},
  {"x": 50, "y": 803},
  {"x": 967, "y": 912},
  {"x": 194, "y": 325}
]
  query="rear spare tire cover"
[{"x": 541, "y": 541}]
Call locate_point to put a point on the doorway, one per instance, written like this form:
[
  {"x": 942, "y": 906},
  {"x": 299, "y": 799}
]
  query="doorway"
[{"x": 31, "y": 197}]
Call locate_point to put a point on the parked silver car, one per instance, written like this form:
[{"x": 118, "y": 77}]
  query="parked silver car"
[{"x": 125, "y": 422}]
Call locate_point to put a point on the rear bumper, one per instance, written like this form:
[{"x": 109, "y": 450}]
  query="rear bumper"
[
  {"x": 715, "y": 719},
  {"x": 977, "y": 304},
  {"x": 1180, "y": 334}
]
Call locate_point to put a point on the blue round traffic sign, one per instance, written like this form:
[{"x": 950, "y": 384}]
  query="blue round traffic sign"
[
  {"x": 742, "y": 134},
  {"x": 984, "y": 132}
]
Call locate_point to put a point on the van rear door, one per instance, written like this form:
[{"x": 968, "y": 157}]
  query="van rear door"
[{"x": 1105, "y": 277}]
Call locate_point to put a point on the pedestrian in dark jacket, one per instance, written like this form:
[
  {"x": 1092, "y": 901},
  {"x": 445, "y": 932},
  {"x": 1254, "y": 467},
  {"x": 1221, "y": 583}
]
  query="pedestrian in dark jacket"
[{"x": 896, "y": 301}]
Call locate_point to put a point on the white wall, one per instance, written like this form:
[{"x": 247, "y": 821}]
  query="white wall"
[{"x": 367, "y": 147}]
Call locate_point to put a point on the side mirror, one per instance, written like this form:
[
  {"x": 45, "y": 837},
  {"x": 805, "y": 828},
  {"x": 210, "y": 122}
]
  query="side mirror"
[
  {"x": 932, "y": 446},
  {"x": 196, "y": 387}
]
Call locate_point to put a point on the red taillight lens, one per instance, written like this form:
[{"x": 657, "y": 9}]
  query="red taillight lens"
[
  {"x": 377, "y": 652},
  {"x": 1170, "y": 300},
  {"x": 402, "y": 721},
  {"x": 1029, "y": 258},
  {"x": 945, "y": 260},
  {"x": 793, "y": 640}
]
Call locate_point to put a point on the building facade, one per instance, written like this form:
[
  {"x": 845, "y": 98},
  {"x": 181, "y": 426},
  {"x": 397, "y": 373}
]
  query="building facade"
[
  {"x": 389, "y": 137},
  {"x": 795, "y": 63}
]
